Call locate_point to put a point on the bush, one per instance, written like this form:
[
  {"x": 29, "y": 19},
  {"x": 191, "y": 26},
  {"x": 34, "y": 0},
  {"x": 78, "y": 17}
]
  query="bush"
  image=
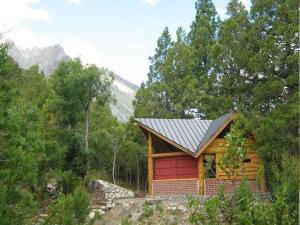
[
  {"x": 241, "y": 208},
  {"x": 67, "y": 181},
  {"x": 70, "y": 209}
]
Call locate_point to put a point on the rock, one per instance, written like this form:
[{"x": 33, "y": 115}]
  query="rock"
[
  {"x": 178, "y": 207},
  {"x": 100, "y": 211},
  {"x": 106, "y": 192},
  {"x": 110, "y": 205},
  {"x": 125, "y": 205},
  {"x": 52, "y": 188},
  {"x": 92, "y": 215},
  {"x": 182, "y": 208}
]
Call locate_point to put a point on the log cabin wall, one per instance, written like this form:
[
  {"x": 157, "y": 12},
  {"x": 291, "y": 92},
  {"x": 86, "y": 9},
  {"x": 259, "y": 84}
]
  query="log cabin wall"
[
  {"x": 251, "y": 165},
  {"x": 250, "y": 170}
]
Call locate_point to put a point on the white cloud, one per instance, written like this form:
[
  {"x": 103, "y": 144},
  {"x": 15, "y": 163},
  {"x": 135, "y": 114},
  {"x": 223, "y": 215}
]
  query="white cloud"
[
  {"x": 77, "y": 47},
  {"x": 151, "y": 2},
  {"x": 14, "y": 13},
  {"x": 75, "y": 2},
  {"x": 24, "y": 38}
]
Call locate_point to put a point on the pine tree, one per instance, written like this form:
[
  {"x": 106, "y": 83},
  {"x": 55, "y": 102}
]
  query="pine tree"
[
  {"x": 152, "y": 99},
  {"x": 232, "y": 54},
  {"x": 203, "y": 37}
]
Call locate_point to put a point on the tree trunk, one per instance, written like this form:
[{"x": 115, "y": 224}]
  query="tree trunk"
[
  {"x": 137, "y": 172},
  {"x": 114, "y": 167},
  {"x": 86, "y": 131}
]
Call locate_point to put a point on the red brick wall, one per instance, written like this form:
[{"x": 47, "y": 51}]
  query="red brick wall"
[
  {"x": 175, "y": 187},
  {"x": 211, "y": 185}
]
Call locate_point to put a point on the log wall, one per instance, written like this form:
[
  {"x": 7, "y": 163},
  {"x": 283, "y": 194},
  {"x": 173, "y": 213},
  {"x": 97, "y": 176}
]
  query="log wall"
[{"x": 250, "y": 170}]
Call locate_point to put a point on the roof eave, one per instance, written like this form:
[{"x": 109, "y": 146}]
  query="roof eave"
[
  {"x": 142, "y": 126},
  {"x": 213, "y": 137}
]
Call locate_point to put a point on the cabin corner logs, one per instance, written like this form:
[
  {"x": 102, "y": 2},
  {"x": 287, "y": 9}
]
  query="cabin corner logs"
[{"x": 178, "y": 173}]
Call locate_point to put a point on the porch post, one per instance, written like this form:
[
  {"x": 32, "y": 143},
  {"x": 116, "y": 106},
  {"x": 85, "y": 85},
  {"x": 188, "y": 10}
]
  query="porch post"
[
  {"x": 201, "y": 174},
  {"x": 263, "y": 181},
  {"x": 150, "y": 164}
]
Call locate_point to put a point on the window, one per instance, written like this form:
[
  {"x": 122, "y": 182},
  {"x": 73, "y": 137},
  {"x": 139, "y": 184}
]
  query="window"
[
  {"x": 247, "y": 161},
  {"x": 210, "y": 166}
]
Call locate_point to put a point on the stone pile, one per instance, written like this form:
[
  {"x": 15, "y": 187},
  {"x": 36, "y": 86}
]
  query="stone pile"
[{"x": 105, "y": 194}]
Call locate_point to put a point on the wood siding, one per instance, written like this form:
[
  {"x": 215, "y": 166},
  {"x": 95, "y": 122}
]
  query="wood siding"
[{"x": 250, "y": 169}]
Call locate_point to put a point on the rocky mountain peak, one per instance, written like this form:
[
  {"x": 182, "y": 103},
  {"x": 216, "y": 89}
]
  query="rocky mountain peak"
[{"x": 48, "y": 59}]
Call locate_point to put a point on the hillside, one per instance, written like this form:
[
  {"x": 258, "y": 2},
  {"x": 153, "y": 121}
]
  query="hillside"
[{"x": 48, "y": 59}]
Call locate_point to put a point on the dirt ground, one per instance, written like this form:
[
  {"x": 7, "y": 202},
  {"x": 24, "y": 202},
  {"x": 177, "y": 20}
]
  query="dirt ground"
[{"x": 145, "y": 211}]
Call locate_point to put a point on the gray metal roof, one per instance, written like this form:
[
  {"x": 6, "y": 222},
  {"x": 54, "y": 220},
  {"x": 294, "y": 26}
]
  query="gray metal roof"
[{"x": 191, "y": 134}]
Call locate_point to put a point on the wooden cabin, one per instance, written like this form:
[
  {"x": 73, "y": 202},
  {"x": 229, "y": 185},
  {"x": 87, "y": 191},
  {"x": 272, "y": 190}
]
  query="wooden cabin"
[{"x": 179, "y": 151}]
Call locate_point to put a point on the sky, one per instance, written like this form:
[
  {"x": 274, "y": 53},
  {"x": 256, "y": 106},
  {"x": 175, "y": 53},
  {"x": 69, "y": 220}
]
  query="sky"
[{"x": 117, "y": 34}]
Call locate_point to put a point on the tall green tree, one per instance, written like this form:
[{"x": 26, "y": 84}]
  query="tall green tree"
[
  {"x": 203, "y": 37},
  {"x": 171, "y": 90},
  {"x": 77, "y": 86},
  {"x": 22, "y": 147},
  {"x": 152, "y": 99}
]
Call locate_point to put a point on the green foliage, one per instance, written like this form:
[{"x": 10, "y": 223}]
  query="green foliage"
[
  {"x": 148, "y": 211},
  {"x": 126, "y": 221},
  {"x": 233, "y": 158},
  {"x": 67, "y": 182},
  {"x": 240, "y": 208},
  {"x": 95, "y": 175},
  {"x": 71, "y": 209}
]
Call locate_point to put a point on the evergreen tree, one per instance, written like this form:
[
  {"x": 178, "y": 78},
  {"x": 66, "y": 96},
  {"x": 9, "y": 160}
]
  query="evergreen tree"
[
  {"x": 232, "y": 54},
  {"x": 152, "y": 99}
]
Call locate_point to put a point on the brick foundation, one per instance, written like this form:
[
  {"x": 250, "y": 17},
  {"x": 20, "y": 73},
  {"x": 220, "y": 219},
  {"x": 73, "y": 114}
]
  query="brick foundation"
[
  {"x": 211, "y": 186},
  {"x": 175, "y": 187}
]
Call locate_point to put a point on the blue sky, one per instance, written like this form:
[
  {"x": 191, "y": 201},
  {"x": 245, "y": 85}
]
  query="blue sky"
[{"x": 117, "y": 34}]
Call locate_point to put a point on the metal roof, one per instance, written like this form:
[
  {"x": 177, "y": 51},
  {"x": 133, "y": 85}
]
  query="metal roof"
[{"x": 191, "y": 134}]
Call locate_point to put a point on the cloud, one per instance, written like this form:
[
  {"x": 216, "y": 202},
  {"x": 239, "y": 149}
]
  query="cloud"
[
  {"x": 88, "y": 53},
  {"x": 75, "y": 2},
  {"x": 24, "y": 38},
  {"x": 151, "y": 2},
  {"x": 14, "y": 13}
]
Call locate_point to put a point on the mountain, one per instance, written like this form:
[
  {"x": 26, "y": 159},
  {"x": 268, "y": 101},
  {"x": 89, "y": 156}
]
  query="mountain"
[{"x": 48, "y": 59}]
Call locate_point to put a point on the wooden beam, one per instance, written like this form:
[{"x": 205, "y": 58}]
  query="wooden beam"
[
  {"x": 263, "y": 187},
  {"x": 150, "y": 164},
  {"x": 168, "y": 154},
  {"x": 217, "y": 164},
  {"x": 176, "y": 179},
  {"x": 201, "y": 175}
]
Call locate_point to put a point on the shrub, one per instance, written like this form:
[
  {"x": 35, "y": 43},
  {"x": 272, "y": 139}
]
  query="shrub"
[
  {"x": 241, "y": 208},
  {"x": 71, "y": 209},
  {"x": 67, "y": 181}
]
